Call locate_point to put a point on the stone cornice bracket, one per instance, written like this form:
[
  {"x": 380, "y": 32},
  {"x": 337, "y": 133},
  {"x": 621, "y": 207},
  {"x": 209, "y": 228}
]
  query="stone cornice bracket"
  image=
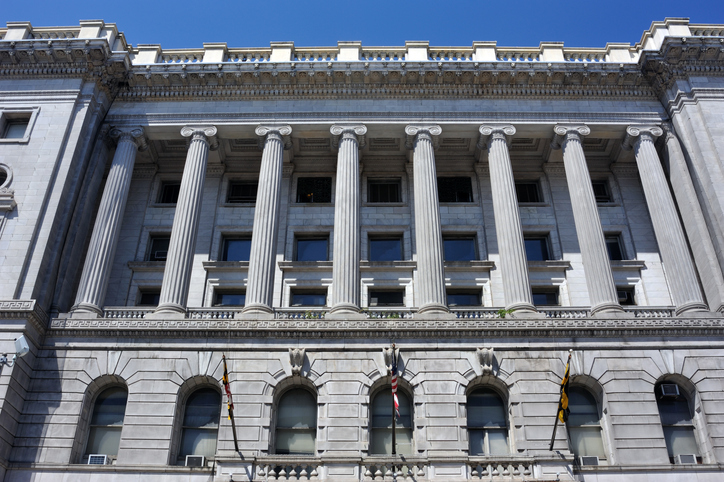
[
  {"x": 296, "y": 359},
  {"x": 205, "y": 133},
  {"x": 564, "y": 131},
  {"x": 344, "y": 131},
  {"x": 495, "y": 131},
  {"x": 137, "y": 135},
  {"x": 432, "y": 131},
  {"x": 388, "y": 353},
  {"x": 652, "y": 132},
  {"x": 486, "y": 358},
  {"x": 282, "y": 131}
]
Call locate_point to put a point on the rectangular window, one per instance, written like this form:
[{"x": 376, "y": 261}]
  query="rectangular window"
[
  {"x": 455, "y": 189},
  {"x": 14, "y": 128},
  {"x": 626, "y": 296},
  {"x": 383, "y": 191},
  {"x": 463, "y": 298},
  {"x": 236, "y": 249},
  {"x": 385, "y": 248},
  {"x": 229, "y": 298},
  {"x": 387, "y": 298},
  {"x": 528, "y": 192},
  {"x": 615, "y": 247},
  {"x": 314, "y": 190},
  {"x": 459, "y": 249},
  {"x": 312, "y": 249},
  {"x": 242, "y": 192},
  {"x": 536, "y": 248},
  {"x": 149, "y": 298},
  {"x": 545, "y": 297},
  {"x": 158, "y": 248},
  {"x": 309, "y": 298},
  {"x": 601, "y": 191},
  {"x": 169, "y": 192}
]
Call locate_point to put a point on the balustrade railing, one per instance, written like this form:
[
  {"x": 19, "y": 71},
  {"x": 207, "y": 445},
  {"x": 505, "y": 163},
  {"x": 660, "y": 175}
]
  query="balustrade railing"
[
  {"x": 381, "y": 54},
  {"x": 315, "y": 54},
  {"x": 300, "y": 313},
  {"x": 451, "y": 54},
  {"x": 249, "y": 55},
  {"x": 518, "y": 55},
  {"x": 126, "y": 312},
  {"x": 500, "y": 469},
  {"x": 51, "y": 33},
  {"x": 284, "y": 469},
  {"x": 705, "y": 30},
  {"x": 395, "y": 469},
  {"x": 216, "y": 313}
]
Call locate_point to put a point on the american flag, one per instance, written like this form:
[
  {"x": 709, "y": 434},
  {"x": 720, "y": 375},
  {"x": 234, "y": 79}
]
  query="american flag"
[{"x": 394, "y": 383}]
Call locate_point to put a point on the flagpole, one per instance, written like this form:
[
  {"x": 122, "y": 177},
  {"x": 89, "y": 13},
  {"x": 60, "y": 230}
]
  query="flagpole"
[
  {"x": 560, "y": 401},
  {"x": 230, "y": 403},
  {"x": 392, "y": 399}
]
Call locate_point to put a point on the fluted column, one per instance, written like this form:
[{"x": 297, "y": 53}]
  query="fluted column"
[
  {"x": 678, "y": 265},
  {"x": 102, "y": 247},
  {"x": 428, "y": 233},
  {"x": 511, "y": 247},
  {"x": 260, "y": 286},
  {"x": 176, "y": 275},
  {"x": 345, "y": 271},
  {"x": 599, "y": 278}
]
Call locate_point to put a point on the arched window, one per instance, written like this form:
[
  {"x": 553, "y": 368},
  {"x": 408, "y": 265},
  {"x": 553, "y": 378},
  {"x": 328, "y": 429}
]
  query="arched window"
[
  {"x": 487, "y": 423},
  {"x": 584, "y": 424},
  {"x": 104, "y": 435},
  {"x": 676, "y": 420},
  {"x": 381, "y": 424},
  {"x": 200, "y": 426},
  {"x": 296, "y": 428}
]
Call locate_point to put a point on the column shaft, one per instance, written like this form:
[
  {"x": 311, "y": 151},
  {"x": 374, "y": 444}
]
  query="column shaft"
[
  {"x": 678, "y": 265},
  {"x": 511, "y": 247},
  {"x": 102, "y": 247}
]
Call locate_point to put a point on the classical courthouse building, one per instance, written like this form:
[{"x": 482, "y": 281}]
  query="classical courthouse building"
[{"x": 298, "y": 210}]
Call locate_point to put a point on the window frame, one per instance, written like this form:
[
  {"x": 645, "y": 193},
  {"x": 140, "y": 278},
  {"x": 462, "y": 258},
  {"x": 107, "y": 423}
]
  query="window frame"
[
  {"x": 538, "y": 191},
  {"x": 384, "y": 181},
  {"x": 307, "y": 201},
  {"x": 547, "y": 291},
  {"x": 457, "y": 192},
  {"x": 277, "y": 410},
  {"x": 180, "y": 455},
  {"x": 90, "y": 426},
  {"x": 587, "y": 427},
  {"x": 386, "y": 388},
  {"x": 150, "y": 252},
  {"x": 162, "y": 192},
  {"x": 241, "y": 182},
  {"x": 222, "y": 292},
  {"x": 373, "y": 237},
  {"x": 223, "y": 254},
  {"x": 618, "y": 239},
  {"x": 147, "y": 292},
  {"x": 475, "y": 292},
  {"x": 545, "y": 240},
  {"x": 310, "y": 237},
  {"x": 630, "y": 295},
  {"x": 8, "y": 115},
  {"x": 460, "y": 237},
  {"x": 606, "y": 198},
  {"x": 386, "y": 305},
  {"x": 690, "y": 426},
  {"x": 308, "y": 291},
  {"x": 504, "y": 404}
]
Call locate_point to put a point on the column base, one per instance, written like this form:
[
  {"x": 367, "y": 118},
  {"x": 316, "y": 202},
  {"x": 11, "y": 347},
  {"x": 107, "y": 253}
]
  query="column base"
[
  {"x": 88, "y": 308},
  {"x": 170, "y": 308},
  {"x": 346, "y": 311},
  {"x": 691, "y": 307},
  {"x": 256, "y": 311},
  {"x": 607, "y": 307},
  {"x": 434, "y": 310},
  {"x": 522, "y": 307}
]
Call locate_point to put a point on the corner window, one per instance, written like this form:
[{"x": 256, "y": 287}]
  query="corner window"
[
  {"x": 242, "y": 192},
  {"x": 314, "y": 190},
  {"x": 487, "y": 423},
  {"x": 309, "y": 298},
  {"x": 459, "y": 248},
  {"x": 463, "y": 298},
  {"x": 385, "y": 248},
  {"x": 200, "y": 426},
  {"x": 536, "y": 248},
  {"x": 229, "y": 298},
  {"x": 381, "y": 423},
  {"x": 545, "y": 297},
  {"x": 106, "y": 423},
  {"x": 584, "y": 424},
  {"x": 383, "y": 191},
  {"x": 236, "y": 249},
  {"x": 149, "y": 298},
  {"x": 677, "y": 421},
  {"x": 601, "y": 191},
  {"x": 311, "y": 249},
  {"x": 454, "y": 189},
  {"x": 158, "y": 248},
  {"x": 14, "y": 125},
  {"x": 387, "y": 298},
  {"x": 169, "y": 192},
  {"x": 296, "y": 427},
  {"x": 528, "y": 192},
  {"x": 615, "y": 247}
]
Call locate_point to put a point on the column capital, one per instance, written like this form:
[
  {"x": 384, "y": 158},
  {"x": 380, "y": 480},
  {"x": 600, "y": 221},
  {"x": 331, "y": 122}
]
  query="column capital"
[
  {"x": 356, "y": 132},
  {"x": 495, "y": 131},
  {"x": 564, "y": 132},
  {"x": 205, "y": 133},
  {"x": 413, "y": 130},
  {"x": 650, "y": 132},
  {"x": 135, "y": 134},
  {"x": 282, "y": 132}
]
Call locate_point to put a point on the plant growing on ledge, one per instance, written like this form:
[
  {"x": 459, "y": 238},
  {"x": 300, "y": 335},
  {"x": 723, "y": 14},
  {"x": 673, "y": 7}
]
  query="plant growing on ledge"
[{"x": 502, "y": 312}]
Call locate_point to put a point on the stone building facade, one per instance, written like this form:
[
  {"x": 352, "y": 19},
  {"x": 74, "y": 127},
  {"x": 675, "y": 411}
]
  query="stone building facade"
[{"x": 296, "y": 210}]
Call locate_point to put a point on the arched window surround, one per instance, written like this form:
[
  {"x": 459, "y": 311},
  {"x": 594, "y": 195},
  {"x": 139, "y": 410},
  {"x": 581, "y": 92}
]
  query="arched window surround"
[
  {"x": 594, "y": 388},
  {"x": 382, "y": 385},
  {"x": 280, "y": 390},
  {"x": 497, "y": 386},
  {"x": 188, "y": 388}
]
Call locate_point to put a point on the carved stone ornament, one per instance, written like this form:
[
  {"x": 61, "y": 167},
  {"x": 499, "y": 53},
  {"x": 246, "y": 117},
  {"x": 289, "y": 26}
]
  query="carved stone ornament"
[
  {"x": 342, "y": 131},
  {"x": 388, "y": 353},
  {"x": 563, "y": 131},
  {"x": 413, "y": 130},
  {"x": 503, "y": 131},
  {"x": 134, "y": 134},
  {"x": 205, "y": 133},
  {"x": 296, "y": 359},
  {"x": 642, "y": 132},
  {"x": 486, "y": 359},
  {"x": 283, "y": 131}
]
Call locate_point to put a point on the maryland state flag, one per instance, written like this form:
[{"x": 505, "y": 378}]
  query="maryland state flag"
[
  {"x": 227, "y": 387},
  {"x": 563, "y": 410}
]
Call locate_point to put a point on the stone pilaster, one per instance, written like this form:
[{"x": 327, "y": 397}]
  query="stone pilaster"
[
  {"x": 511, "y": 247},
  {"x": 260, "y": 286},
  {"x": 176, "y": 275},
  {"x": 678, "y": 265},
  {"x": 599, "y": 278},
  {"x": 430, "y": 269},
  {"x": 102, "y": 247},
  {"x": 345, "y": 271}
]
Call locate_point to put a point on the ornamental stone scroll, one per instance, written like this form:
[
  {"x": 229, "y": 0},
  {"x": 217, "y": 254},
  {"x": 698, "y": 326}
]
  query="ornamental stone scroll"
[
  {"x": 502, "y": 131},
  {"x": 282, "y": 132},
  {"x": 431, "y": 131},
  {"x": 134, "y": 134},
  {"x": 205, "y": 133},
  {"x": 344, "y": 131},
  {"x": 563, "y": 131},
  {"x": 644, "y": 132}
]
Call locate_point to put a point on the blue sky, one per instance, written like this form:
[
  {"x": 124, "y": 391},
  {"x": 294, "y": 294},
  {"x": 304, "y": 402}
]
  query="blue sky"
[{"x": 245, "y": 23}]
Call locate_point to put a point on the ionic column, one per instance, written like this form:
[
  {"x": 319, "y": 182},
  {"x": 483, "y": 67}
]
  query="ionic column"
[
  {"x": 102, "y": 247},
  {"x": 176, "y": 275},
  {"x": 678, "y": 265},
  {"x": 599, "y": 278},
  {"x": 260, "y": 286},
  {"x": 345, "y": 271},
  {"x": 428, "y": 233},
  {"x": 513, "y": 260}
]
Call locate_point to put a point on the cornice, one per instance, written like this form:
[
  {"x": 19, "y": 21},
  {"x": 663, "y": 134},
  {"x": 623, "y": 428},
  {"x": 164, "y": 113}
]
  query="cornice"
[{"x": 24, "y": 310}]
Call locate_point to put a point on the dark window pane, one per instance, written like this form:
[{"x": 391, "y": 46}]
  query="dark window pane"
[
  {"x": 455, "y": 189},
  {"x": 536, "y": 249},
  {"x": 383, "y": 191},
  {"x": 149, "y": 298},
  {"x": 462, "y": 298},
  {"x": 626, "y": 296},
  {"x": 527, "y": 192},
  {"x": 230, "y": 299},
  {"x": 459, "y": 249},
  {"x": 3, "y": 176},
  {"x": 385, "y": 249},
  {"x": 314, "y": 190},
  {"x": 296, "y": 428},
  {"x": 312, "y": 249},
  {"x": 615, "y": 251},
  {"x": 387, "y": 298},
  {"x": 545, "y": 298},
  {"x": 203, "y": 409},
  {"x": 601, "y": 191},
  {"x": 243, "y": 192},
  {"x": 169, "y": 192},
  {"x": 309, "y": 298},
  {"x": 15, "y": 128},
  {"x": 236, "y": 249},
  {"x": 158, "y": 250}
]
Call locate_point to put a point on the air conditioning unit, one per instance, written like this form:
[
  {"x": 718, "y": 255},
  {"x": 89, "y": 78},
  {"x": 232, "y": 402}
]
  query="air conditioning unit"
[
  {"x": 160, "y": 255},
  {"x": 669, "y": 390},
  {"x": 588, "y": 460},
  {"x": 195, "y": 461},
  {"x": 685, "y": 459},
  {"x": 99, "y": 459}
]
